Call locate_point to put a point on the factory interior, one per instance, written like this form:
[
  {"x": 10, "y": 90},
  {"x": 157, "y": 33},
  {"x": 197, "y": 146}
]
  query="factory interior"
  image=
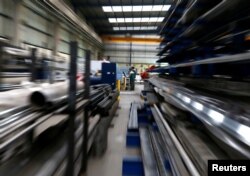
[{"x": 124, "y": 87}]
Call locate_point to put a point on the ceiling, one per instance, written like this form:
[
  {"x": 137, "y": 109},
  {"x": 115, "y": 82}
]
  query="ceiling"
[{"x": 93, "y": 12}]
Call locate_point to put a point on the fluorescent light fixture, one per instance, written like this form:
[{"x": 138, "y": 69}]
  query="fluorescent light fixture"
[
  {"x": 127, "y": 8},
  {"x": 152, "y": 27},
  {"x": 157, "y": 7},
  {"x": 145, "y": 19},
  {"x": 128, "y": 20},
  {"x": 216, "y": 116},
  {"x": 117, "y": 8},
  {"x": 198, "y": 106},
  {"x": 107, "y": 8},
  {"x": 160, "y": 19},
  {"x": 186, "y": 99},
  {"x": 136, "y": 20},
  {"x": 166, "y": 7},
  {"x": 244, "y": 131},
  {"x": 120, "y": 20},
  {"x": 137, "y": 28},
  {"x": 153, "y": 19},
  {"x": 137, "y": 8},
  {"x": 112, "y": 20},
  {"x": 146, "y": 8}
]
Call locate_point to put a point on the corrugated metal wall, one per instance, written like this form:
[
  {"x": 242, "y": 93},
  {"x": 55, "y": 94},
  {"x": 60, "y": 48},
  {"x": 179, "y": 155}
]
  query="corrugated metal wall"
[
  {"x": 32, "y": 26},
  {"x": 141, "y": 53}
]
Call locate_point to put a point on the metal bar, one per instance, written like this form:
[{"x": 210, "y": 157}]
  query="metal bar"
[
  {"x": 86, "y": 110},
  {"x": 148, "y": 157},
  {"x": 159, "y": 154},
  {"x": 72, "y": 108},
  {"x": 192, "y": 169},
  {"x": 33, "y": 64},
  {"x": 1, "y": 65}
]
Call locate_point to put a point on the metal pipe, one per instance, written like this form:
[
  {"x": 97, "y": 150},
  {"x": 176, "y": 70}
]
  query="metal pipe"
[
  {"x": 50, "y": 93},
  {"x": 220, "y": 14}
]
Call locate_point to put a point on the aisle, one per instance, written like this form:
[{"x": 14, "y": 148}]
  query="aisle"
[{"x": 111, "y": 163}]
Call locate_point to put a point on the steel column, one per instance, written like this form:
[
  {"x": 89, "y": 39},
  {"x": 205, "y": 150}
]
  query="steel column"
[
  {"x": 72, "y": 108},
  {"x": 33, "y": 65},
  {"x": 86, "y": 110}
]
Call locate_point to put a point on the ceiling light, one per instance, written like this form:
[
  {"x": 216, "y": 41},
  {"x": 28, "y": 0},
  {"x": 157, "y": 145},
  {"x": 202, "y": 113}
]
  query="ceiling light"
[
  {"x": 153, "y": 19},
  {"x": 137, "y": 8},
  {"x": 136, "y": 20},
  {"x": 166, "y": 7},
  {"x": 112, "y": 20},
  {"x": 117, "y": 8},
  {"x": 127, "y": 8},
  {"x": 144, "y": 27},
  {"x": 137, "y": 28},
  {"x": 116, "y": 28},
  {"x": 160, "y": 19},
  {"x": 107, "y": 8},
  {"x": 157, "y": 7},
  {"x": 145, "y": 19},
  {"x": 128, "y": 20},
  {"x": 147, "y": 8},
  {"x": 130, "y": 28},
  {"x": 120, "y": 20},
  {"x": 123, "y": 28}
]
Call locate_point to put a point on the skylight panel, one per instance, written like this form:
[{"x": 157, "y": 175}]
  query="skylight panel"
[
  {"x": 145, "y": 19},
  {"x": 120, "y": 20},
  {"x": 153, "y": 19},
  {"x": 166, "y": 7},
  {"x": 130, "y": 28},
  {"x": 107, "y": 8},
  {"x": 147, "y": 8},
  {"x": 117, "y": 8},
  {"x": 160, "y": 19},
  {"x": 137, "y": 8},
  {"x": 128, "y": 20},
  {"x": 137, "y": 28},
  {"x": 157, "y": 8},
  {"x": 127, "y": 8},
  {"x": 112, "y": 20},
  {"x": 136, "y": 20}
]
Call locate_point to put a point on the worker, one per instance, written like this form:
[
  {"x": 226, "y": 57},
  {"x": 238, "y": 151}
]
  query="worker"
[{"x": 132, "y": 75}]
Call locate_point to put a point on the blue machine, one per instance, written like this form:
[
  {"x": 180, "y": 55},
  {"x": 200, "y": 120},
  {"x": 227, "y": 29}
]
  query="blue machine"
[{"x": 108, "y": 75}]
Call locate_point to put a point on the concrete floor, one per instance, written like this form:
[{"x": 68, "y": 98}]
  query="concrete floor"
[{"x": 111, "y": 163}]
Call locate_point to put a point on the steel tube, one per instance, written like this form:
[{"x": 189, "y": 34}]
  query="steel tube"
[{"x": 48, "y": 94}]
